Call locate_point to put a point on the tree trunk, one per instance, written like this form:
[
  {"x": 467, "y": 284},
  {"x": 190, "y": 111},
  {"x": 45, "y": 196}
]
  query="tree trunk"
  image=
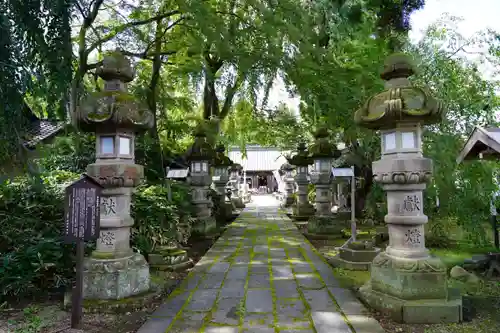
[
  {"x": 210, "y": 100},
  {"x": 362, "y": 193},
  {"x": 157, "y": 159}
]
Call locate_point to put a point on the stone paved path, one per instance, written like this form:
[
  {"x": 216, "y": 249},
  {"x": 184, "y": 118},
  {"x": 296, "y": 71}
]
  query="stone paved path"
[{"x": 261, "y": 276}]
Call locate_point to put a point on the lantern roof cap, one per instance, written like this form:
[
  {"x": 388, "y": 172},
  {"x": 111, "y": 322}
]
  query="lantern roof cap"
[
  {"x": 220, "y": 157},
  {"x": 401, "y": 102},
  {"x": 322, "y": 146},
  {"x": 236, "y": 167},
  {"x": 302, "y": 157},
  {"x": 115, "y": 66},
  {"x": 201, "y": 149},
  {"x": 114, "y": 107},
  {"x": 398, "y": 65},
  {"x": 287, "y": 167}
]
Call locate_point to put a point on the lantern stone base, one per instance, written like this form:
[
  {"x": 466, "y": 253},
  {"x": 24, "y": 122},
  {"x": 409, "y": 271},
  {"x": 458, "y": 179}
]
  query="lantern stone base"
[
  {"x": 288, "y": 201},
  {"x": 170, "y": 259},
  {"x": 238, "y": 202},
  {"x": 204, "y": 227},
  {"x": 324, "y": 227},
  {"x": 115, "y": 278},
  {"x": 354, "y": 260},
  {"x": 117, "y": 306},
  {"x": 412, "y": 291},
  {"x": 230, "y": 213},
  {"x": 302, "y": 212}
]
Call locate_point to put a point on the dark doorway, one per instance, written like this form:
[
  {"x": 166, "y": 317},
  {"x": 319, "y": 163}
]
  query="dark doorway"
[{"x": 262, "y": 183}]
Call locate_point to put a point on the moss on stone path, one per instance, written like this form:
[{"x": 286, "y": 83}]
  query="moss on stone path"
[{"x": 262, "y": 275}]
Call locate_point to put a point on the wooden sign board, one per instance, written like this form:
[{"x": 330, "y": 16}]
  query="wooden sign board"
[
  {"x": 81, "y": 223},
  {"x": 342, "y": 172},
  {"x": 82, "y": 210}
]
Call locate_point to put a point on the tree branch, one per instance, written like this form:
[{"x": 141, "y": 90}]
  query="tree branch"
[
  {"x": 128, "y": 25},
  {"x": 230, "y": 92},
  {"x": 144, "y": 55},
  {"x": 87, "y": 22},
  {"x": 80, "y": 9}
]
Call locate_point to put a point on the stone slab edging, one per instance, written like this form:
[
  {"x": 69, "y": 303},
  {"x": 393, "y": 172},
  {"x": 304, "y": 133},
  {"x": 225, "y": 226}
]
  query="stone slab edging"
[{"x": 262, "y": 275}]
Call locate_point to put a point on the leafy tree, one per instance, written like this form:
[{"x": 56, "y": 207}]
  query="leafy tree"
[
  {"x": 35, "y": 58},
  {"x": 465, "y": 190}
]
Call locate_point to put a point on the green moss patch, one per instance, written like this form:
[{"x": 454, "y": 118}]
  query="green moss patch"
[{"x": 129, "y": 304}]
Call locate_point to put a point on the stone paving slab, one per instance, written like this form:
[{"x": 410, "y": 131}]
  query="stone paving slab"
[{"x": 262, "y": 276}]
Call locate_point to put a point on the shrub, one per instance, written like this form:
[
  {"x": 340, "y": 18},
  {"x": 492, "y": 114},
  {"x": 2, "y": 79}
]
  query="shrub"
[
  {"x": 31, "y": 253},
  {"x": 159, "y": 222}
]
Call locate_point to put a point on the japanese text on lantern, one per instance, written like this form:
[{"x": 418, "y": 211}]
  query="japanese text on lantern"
[
  {"x": 108, "y": 205},
  {"x": 412, "y": 236},
  {"x": 411, "y": 203}
]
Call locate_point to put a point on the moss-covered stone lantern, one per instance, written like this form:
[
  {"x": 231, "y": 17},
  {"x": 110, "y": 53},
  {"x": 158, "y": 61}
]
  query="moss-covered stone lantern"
[
  {"x": 114, "y": 271},
  {"x": 323, "y": 152},
  {"x": 405, "y": 280},
  {"x": 200, "y": 179},
  {"x": 303, "y": 208},
  {"x": 220, "y": 179},
  {"x": 235, "y": 171},
  {"x": 289, "y": 182}
]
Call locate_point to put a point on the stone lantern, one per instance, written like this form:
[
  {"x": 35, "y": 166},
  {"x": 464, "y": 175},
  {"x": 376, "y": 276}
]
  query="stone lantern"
[
  {"x": 114, "y": 271},
  {"x": 323, "y": 152},
  {"x": 303, "y": 208},
  {"x": 199, "y": 157},
  {"x": 289, "y": 181},
  {"x": 234, "y": 181},
  {"x": 405, "y": 279},
  {"x": 220, "y": 179}
]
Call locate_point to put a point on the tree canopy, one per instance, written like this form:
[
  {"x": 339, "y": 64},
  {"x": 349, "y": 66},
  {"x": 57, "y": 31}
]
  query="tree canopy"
[{"x": 217, "y": 61}]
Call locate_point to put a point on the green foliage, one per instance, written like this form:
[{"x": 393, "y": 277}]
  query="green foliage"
[
  {"x": 278, "y": 128},
  {"x": 72, "y": 153},
  {"x": 35, "y": 59},
  {"x": 32, "y": 255},
  {"x": 159, "y": 222}
]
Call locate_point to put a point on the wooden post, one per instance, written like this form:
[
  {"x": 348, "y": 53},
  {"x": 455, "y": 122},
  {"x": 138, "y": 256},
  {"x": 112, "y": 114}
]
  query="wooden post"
[
  {"x": 169, "y": 188},
  {"x": 353, "y": 205},
  {"x": 77, "y": 296}
]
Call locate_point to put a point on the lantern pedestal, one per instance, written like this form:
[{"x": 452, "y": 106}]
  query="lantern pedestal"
[
  {"x": 205, "y": 224},
  {"x": 225, "y": 212},
  {"x": 323, "y": 225},
  {"x": 355, "y": 256},
  {"x": 288, "y": 199},
  {"x": 237, "y": 202},
  {"x": 302, "y": 211},
  {"x": 220, "y": 179},
  {"x": 236, "y": 198},
  {"x": 170, "y": 259},
  {"x": 225, "y": 209},
  {"x": 412, "y": 291},
  {"x": 115, "y": 278}
]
